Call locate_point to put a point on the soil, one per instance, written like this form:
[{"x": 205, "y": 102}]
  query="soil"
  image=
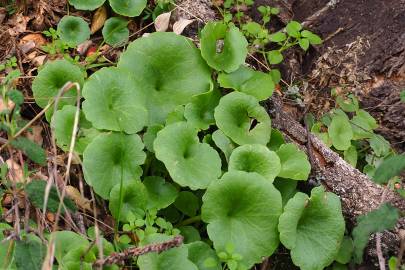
[{"x": 363, "y": 52}]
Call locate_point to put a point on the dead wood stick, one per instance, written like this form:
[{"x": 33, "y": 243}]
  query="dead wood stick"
[
  {"x": 120, "y": 257},
  {"x": 358, "y": 193}
]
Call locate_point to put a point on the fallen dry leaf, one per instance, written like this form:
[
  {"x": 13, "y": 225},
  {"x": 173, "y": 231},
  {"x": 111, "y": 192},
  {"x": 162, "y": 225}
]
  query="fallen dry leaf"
[
  {"x": 15, "y": 172},
  {"x": 35, "y": 134},
  {"x": 7, "y": 199},
  {"x": 162, "y": 22},
  {"x": 75, "y": 195},
  {"x": 9, "y": 106},
  {"x": 37, "y": 38},
  {"x": 26, "y": 47},
  {"x": 39, "y": 60},
  {"x": 50, "y": 217},
  {"x": 20, "y": 24},
  {"x": 98, "y": 20},
  {"x": 178, "y": 27}
]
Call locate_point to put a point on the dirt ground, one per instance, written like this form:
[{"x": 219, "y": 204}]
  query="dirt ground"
[{"x": 363, "y": 52}]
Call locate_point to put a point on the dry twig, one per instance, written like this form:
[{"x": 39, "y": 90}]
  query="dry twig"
[{"x": 120, "y": 257}]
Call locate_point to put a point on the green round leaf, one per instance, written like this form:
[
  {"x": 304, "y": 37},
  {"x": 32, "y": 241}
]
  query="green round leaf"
[
  {"x": 78, "y": 258},
  {"x": 278, "y": 37},
  {"x": 255, "y": 158},
  {"x": 202, "y": 255},
  {"x": 113, "y": 102},
  {"x": 86, "y": 4},
  {"x": 340, "y": 132},
  {"x": 73, "y": 30},
  {"x": 115, "y": 31},
  {"x": 110, "y": 159},
  {"x": 161, "y": 194},
  {"x": 294, "y": 162},
  {"x": 189, "y": 162},
  {"x": 172, "y": 259},
  {"x": 293, "y": 29},
  {"x": 128, "y": 199},
  {"x": 242, "y": 119},
  {"x": 63, "y": 123},
  {"x": 313, "y": 38},
  {"x": 237, "y": 211},
  {"x": 234, "y": 48},
  {"x": 312, "y": 228},
  {"x": 187, "y": 203},
  {"x": 171, "y": 70},
  {"x": 304, "y": 43},
  {"x": 66, "y": 241},
  {"x": 200, "y": 111},
  {"x": 275, "y": 57},
  {"x": 130, "y": 8},
  {"x": 52, "y": 78},
  {"x": 251, "y": 82}
]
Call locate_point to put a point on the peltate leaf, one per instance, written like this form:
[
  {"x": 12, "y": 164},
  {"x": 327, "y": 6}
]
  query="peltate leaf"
[
  {"x": 340, "y": 132},
  {"x": 224, "y": 47},
  {"x": 130, "y": 8},
  {"x": 171, "y": 70},
  {"x": 86, "y": 4},
  {"x": 63, "y": 123},
  {"x": 114, "y": 101},
  {"x": 189, "y": 162},
  {"x": 294, "y": 162},
  {"x": 241, "y": 118},
  {"x": 200, "y": 111},
  {"x": 115, "y": 31},
  {"x": 255, "y": 158},
  {"x": 251, "y": 82},
  {"x": 312, "y": 228},
  {"x": 161, "y": 194},
  {"x": 73, "y": 30},
  {"x": 52, "y": 78},
  {"x": 128, "y": 200},
  {"x": 112, "y": 158},
  {"x": 237, "y": 211},
  {"x": 172, "y": 259}
]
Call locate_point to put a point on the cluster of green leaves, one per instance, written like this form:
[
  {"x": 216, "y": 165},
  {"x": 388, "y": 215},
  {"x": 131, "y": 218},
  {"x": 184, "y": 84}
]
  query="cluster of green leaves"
[
  {"x": 260, "y": 37},
  {"x": 168, "y": 149},
  {"x": 73, "y": 31},
  {"x": 350, "y": 130},
  {"x": 10, "y": 63},
  {"x": 129, "y": 8}
]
